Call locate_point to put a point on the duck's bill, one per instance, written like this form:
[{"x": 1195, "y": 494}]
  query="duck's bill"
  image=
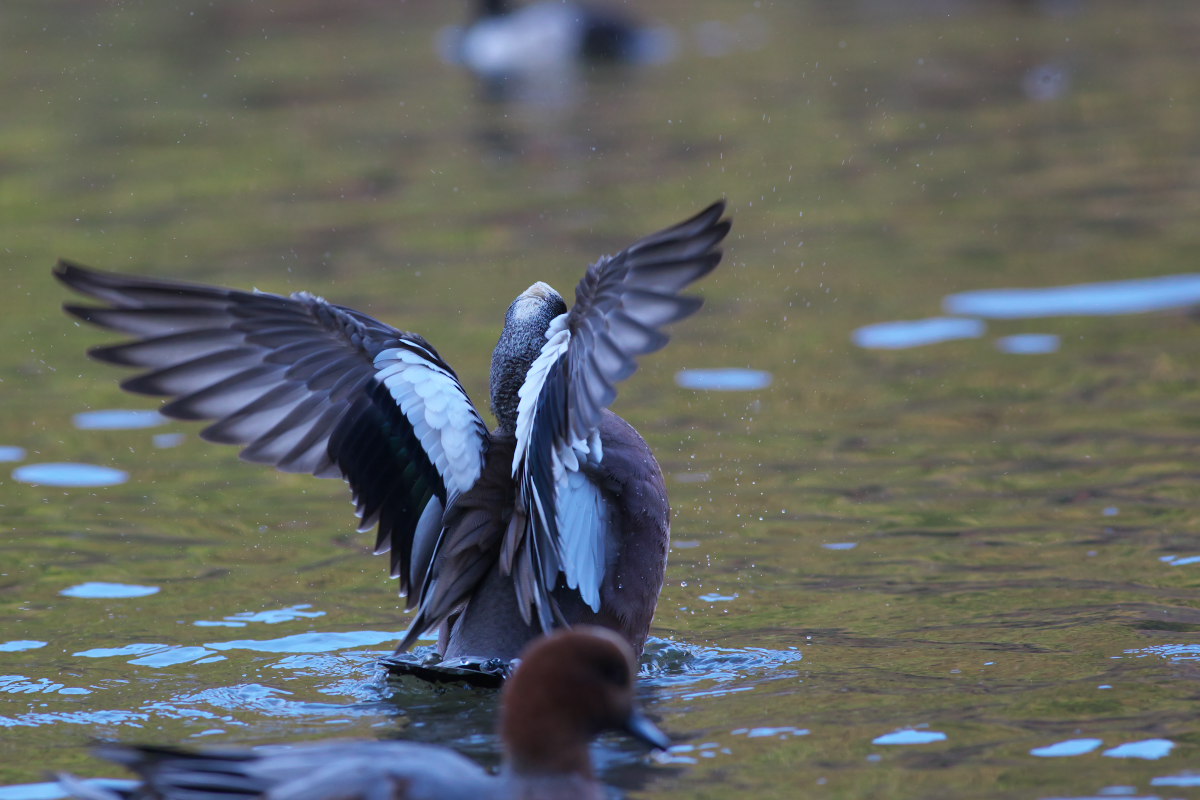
[{"x": 642, "y": 729}]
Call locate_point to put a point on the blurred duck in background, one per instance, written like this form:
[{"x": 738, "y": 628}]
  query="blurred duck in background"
[{"x": 515, "y": 49}]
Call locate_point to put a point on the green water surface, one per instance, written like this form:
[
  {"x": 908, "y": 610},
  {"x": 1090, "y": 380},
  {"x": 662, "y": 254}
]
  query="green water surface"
[{"x": 1012, "y": 532}]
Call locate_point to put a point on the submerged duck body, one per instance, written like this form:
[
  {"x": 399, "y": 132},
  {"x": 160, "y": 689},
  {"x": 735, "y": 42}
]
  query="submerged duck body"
[
  {"x": 557, "y": 517},
  {"x": 569, "y": 687}
]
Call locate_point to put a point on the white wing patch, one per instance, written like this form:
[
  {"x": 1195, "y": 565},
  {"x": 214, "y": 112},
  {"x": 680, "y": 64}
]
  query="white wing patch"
[
  {"x": 582, "y": 520},
  {"x": 557, "y": 339},
  {"x": 578, "y": 508},
  {"x": 442, "y": 416}
]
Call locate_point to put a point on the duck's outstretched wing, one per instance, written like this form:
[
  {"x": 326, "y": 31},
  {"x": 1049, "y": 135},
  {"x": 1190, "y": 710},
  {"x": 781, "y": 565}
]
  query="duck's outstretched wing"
[
  {"x": 621, "y": 305},
  {"x": 306, "y": 386}
]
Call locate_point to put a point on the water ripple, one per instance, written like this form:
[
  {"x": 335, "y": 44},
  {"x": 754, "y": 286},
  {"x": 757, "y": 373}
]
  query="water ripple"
[
  {"x": 676, "y": 665},
  {"x": 155, "y": 654},
  {"x": 19, "y": 684},
  {"x": 88, "y": 719},
  {"x": 270, "y": 617},
  {"x": 1174, "y": 652}
]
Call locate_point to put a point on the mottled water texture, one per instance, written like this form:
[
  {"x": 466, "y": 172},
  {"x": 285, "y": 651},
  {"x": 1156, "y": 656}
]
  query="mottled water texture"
[{"x": 951, "y": 567}]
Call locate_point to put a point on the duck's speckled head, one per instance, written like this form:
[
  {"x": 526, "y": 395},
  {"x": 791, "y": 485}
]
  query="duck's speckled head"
[{"x": 524, "y": 333}]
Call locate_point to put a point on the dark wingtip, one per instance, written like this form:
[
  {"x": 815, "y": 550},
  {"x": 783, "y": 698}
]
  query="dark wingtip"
[
  {"x": 70, "y": 272},
  {"x": 712, "y": 214},
  {"x": 67, "y": 273},
  {"x": 84, "y": 280},
  {"x": 709, "y": 217},
  {"x": 79, "y": 312}
]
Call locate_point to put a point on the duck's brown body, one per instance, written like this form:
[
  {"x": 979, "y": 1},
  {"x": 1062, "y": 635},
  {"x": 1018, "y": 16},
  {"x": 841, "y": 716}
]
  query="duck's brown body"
[{"x": 636, "y": 499}]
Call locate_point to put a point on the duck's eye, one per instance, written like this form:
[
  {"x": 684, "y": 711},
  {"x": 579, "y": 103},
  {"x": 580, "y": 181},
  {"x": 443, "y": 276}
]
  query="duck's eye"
[{"x": 614, "y": 671}]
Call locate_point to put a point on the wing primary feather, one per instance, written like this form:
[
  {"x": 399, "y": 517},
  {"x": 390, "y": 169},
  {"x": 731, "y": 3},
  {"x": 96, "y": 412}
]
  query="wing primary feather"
[{"x": 292, "y": 379}]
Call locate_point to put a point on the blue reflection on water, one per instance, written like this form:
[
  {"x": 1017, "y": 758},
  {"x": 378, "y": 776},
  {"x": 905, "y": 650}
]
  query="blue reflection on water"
[
  {"x": 1085, "y": 299},
  {"x": 152, "y": 654},
  {"x": 1071, "y": 747},
  {"x": 16, "y": 645},
  {"x": 1179, "y": 561},
  {"x": 783, "y": 732},
  {"x": 117, "y": 419},
  {"x": 19, "y": 684},
  {"x": 88, "y": 719},
  {"x": 1182, "y": 779},
  {"x": 1088, "y": 299},
  {"x": 1029, "y": 343},
  {"x": 678, "y": 753},
  {"x": 127, "y": 650},
  {"x": 730, "y": 379},
  {"x": 1174, "y": 652},
  {"x": 909, "y": 736},
  {"x": 94, "y": 590},
  {"x": 170, "y": 656},
  {"x": 69, "y": 474},
  {"x": 270, "y": 617},
  {"x": 313, "y": 642},
  {"x": 53, "y": 790},
  {"x": 915, "y": 333},
  {"x": 1149, "y": 749},
  {"x": 11, "y": 453},
  {"x": 219, "y": 704}
]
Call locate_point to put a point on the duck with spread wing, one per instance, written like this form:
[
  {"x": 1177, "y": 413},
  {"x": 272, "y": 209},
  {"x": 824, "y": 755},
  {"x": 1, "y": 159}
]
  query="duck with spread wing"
[{"x": 557, "y": 517}]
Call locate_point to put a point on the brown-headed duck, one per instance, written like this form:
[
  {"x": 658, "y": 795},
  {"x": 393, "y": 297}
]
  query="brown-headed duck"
[
  {"x": 569, "y": 687},
  {"x": 558, "y": 516}
]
